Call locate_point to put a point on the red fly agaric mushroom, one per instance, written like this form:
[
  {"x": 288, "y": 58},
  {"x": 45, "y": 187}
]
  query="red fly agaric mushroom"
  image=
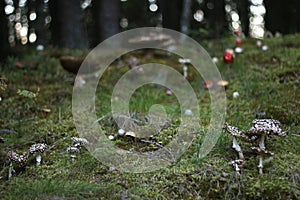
[
  {"x": 228, "y": 56},
  {"x": 209, "y": 84},
  {"x": 237, "y": 31},
  {"x": 238, "y": 41}
]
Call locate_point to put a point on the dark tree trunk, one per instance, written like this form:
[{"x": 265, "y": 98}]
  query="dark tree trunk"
[
  {"x": 282, "y": 16},
  {"x": 243, "y": 10},
  {"x": 186, "y": 16},
  {"x": 214, "y": 12},
  {"x": 3, "y": 33},
  {"x": 67, "y": 28},
  {"x": 106, "y": 15},
  {"x": 171, "y": 13}
]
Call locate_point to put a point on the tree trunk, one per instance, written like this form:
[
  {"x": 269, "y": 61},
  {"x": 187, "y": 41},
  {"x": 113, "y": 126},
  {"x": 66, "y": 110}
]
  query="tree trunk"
[
  {"x": 67, "y": 28},
  {"x": 216, "y": 17},
  {"x": 282, "y": 16},
  {"x": 243, "y": 11},
  {"x": 4, "y": 46},
  {"x": 171, "y": 12},
  {"x": 186, "y": 16},
  {"x": 106, "y": 15}
]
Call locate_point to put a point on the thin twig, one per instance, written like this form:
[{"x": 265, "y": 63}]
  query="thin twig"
[{"x": 152, "y": 142}]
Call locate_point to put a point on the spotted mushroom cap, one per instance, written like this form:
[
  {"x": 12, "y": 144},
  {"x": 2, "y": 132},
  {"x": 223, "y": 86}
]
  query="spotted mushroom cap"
[
  {"x": 266, "y": 126},
  {"x": 232, "y": 129},
  {"x": 81, "y": 141},
  {"x": 17, "y": 158},
  {"x": 238, "y": 162},
  {"x": 238, "y": 133},
  {"x": 39, "y": 147},
  {"x": 262, "y": 152},
  {"x": 73, "y": 150}
]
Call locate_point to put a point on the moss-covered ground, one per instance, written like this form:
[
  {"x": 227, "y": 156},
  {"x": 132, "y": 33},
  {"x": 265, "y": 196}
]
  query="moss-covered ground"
[{"x": 268, "y": 86}]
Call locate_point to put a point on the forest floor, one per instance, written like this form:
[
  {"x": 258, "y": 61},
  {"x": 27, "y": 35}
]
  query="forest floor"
[{"x": 268, "y": 86}]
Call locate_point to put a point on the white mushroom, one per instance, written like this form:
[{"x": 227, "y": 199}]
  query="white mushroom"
[{"x": 121, "y": 132}]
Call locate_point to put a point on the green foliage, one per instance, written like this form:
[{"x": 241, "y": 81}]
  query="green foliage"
[{"x": 28, "y": 94}]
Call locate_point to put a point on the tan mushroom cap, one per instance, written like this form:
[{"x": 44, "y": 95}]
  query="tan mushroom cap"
[
  {"x": 71, "y": 63},
  {"x": 223, "y": 83}
]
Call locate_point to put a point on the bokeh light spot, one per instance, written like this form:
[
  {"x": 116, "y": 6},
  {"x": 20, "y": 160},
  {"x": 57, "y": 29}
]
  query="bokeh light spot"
[
  {"x": 153, "y": 7},
  {"x": 199, "y": 15}
]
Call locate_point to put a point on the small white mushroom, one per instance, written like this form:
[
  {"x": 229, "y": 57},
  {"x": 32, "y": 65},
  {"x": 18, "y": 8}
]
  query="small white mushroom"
[
  {"x": 235, "y": 95},
  {"x": 188, "y": 112},
  {"x": 184, "y": 60},
  {"x": 121, "y": 132},
  {"x": 215, "y": 59},
  {"x": 238, "y": 50},
  {"x": 265, "y": 48},
  {"x": 111, "y": 137}
]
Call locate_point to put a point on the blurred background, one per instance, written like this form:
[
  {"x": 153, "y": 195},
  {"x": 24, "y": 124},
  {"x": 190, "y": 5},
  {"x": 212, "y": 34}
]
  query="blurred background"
[{"x": 82, "y": 24}]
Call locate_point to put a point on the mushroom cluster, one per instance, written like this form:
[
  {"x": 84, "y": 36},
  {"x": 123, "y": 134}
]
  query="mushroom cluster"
[
  {"x": 261, "y": 130},
  {"x": 76, "y": 146},
  {"x": 21, "y": 159}
]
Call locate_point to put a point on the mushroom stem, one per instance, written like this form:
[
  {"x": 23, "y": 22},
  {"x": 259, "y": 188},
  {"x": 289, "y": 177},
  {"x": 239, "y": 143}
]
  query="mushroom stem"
[
  {"x": 260, "y": 165},
  {"x": 38, "y": 159},
  {"x": 185, "y": 71},
  {"x": 262, "y": 146},
  {"x": 10, "y": 170},
  {"x": 237, "y": 148}
]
